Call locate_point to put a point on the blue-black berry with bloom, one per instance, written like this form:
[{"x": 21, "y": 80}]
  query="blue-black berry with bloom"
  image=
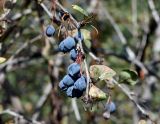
[
  {"x": 50, "y": 31},
  {"x": 73, "y": 54},
  {"x": 71, "y": 92},
  {"x": 110, "y": 107},
  {"x": 62, "y": 86},
  {"x": 67, "y": 44},
  {"x": 68, "y": 80},
  {"x": 74, "y": 70},
  {"x": 80, "y": 84}
]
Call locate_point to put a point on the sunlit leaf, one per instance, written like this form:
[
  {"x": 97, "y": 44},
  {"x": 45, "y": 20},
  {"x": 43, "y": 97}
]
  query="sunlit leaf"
[
  {"x": 87, "y": 43},
  {"x": 97, "y": 94},
  {"x": 79, "y": 9},
  {"x": 102, "y": 72},
  {"x": 128, "y": 77},
  {"x": 110, "y": 84},
  {"x": 2, "y": 59},
  {"x": 86, "y": 34}
]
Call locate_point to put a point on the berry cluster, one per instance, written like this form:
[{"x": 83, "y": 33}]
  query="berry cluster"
[{"x": 74, "y": 83}]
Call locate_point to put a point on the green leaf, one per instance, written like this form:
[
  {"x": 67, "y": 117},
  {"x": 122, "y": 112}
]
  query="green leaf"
[
  {"x": 86, "y": 34},
  {"x": 79, "y": 9},
  {"x": 97, "y": 94},
  {"x": 87, "y": 43},
  {"x": 87, "y": 37},
  {"x": 128, "y": 77},
  {"x": 102, "y": 72},
  {"x": 2, "y": 59}
]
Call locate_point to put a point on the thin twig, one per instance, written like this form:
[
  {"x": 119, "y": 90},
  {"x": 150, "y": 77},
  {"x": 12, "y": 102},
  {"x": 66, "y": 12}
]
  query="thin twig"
[
  {"x": 134, "y": 17},
  {"x": 76, "y": 110},
  {"x": 130, "y": 53},
  {"x": 131, "y": 98},
  {"x": 19, "y": 116},
  {"x": 42, "y": 100},
  {"x": 154, "y": 11},
  {"x": 46, "y": 10},
  {"x": 24, "y": 46},
  {"x": 10, "y": 60}
]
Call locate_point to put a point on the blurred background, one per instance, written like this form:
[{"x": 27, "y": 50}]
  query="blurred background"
[{"x": 128, "y": 38}]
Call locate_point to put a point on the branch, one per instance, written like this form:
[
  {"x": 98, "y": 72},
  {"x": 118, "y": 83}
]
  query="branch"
[
  {"x": 130, "y": 53},
  {"x": 75, "y": 108},
  {"x": 19, "y": 116},
  {"x": 128, "y": 93},
  {"x": 12, "y": 61},
  {"x": 154, "y": 11},
  {"x": 134, "y": 17},
  {"x": 42, "y": 100}
]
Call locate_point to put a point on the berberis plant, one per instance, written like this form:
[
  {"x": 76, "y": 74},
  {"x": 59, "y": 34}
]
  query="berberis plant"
[
  {"x": 68, "y": 61},
  {"x": 80, "y": 80}
]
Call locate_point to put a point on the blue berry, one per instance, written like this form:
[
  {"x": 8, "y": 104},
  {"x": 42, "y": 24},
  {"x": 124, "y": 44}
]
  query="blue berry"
[
  {"x": 74, "y": 69},
  {"x": 67, "y": 44},
  {"x": 71, "y": 92},
  {"x": 77, "y": 93},
  {"x": 111, "y": 107},
  {"x": 67, "y": 80},
  {"x": 62, "y": 47},
  {"x": 62, "y": 86},
  {"x": 50, "y": 30},
  {"x": 80, "y": 84},
  {"x": 73, "y": 54}
]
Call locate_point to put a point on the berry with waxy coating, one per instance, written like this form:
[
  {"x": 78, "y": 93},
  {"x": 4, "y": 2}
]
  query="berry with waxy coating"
[
  {"x": 73, "y": 54},
  {"x": 77, "y": 93},
  {"x": 80, "y": 84},
  {"x": 50, "y": 30},
  {"x": 111, "y": 107},
  {"x": 67, "y": 44},
  {"x": 74, "y": 69},
  {"x": 62, "y": 86},
  {"x": 67, "y": 80},
  {"x": 62, "y": 47},
  {"x": 71, "y": 92}
]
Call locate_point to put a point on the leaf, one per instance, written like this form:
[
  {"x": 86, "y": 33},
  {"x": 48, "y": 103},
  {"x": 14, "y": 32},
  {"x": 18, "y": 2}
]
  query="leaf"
[
  {"x": 110, "y": 84},
  {"x": 87, "y": 37},
  {"x": 128, "y": 76},
  {"x": 2, "y": 59},
  {"x": 97, "y": 94},
  {"x": 86, "y": 34},
  {"x": 79, "y": 9},
  {"x": 87, "y": 43},
  {"x": 102, "y": 72}
]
